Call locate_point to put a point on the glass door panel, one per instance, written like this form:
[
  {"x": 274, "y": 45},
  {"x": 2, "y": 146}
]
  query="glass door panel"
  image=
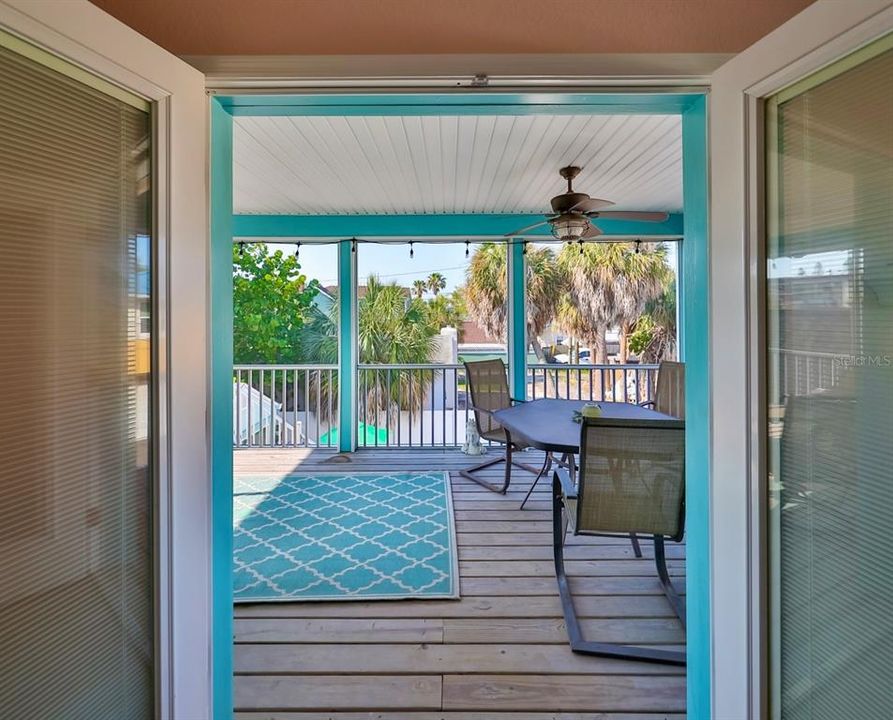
[
  {"x": 76, "y": 328},
  {"x": 830, "y": 391}
]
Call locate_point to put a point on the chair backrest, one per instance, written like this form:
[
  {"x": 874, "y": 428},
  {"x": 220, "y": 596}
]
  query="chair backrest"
[
  {"x": 632, "y": 477},
  {"x": 489, "y": 389},
  {"x": 669, "y": 397}
]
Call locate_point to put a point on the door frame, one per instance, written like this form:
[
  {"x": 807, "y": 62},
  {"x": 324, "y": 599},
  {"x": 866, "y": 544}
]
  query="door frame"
[
  {"x": 691, "y": 105},
  {"x": 82, "y": 34},
  {"x": 820, "y": 35}
]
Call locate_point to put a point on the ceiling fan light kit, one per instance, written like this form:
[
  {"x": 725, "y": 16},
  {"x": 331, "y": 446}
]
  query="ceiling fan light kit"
[{"x": 573, "y": 213}]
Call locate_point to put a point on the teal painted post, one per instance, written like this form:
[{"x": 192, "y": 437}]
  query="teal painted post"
[
  {"x": 517, "y": 335},
  {"x": 696, "y": 319},
  {"x": 347, "y": 347},
  {"x": 222, "y": 408}
]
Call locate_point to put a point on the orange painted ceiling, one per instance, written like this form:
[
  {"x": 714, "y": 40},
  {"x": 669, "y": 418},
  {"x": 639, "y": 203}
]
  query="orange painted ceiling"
[{"x": 398, "y": 27}]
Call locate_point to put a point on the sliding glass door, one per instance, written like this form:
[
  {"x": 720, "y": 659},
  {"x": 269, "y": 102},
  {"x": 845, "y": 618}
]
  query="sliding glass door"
[
  {"x": 830, "y": 391},
  {"x": 77, "y": 636}
]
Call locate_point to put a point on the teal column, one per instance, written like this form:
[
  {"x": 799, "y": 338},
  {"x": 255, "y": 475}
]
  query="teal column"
[
  {"x": 695, "y": 275},
  {"x": 347, "y": 346},
  {"x": 222, "y": 408},
  {"x": 517, "y": 334}
]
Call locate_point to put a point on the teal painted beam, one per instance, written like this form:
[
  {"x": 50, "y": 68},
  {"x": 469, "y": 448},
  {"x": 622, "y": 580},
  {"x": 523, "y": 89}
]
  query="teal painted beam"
[
  {"x": 484, "y": 102},
  {"x": 696, "y": 322},
  {"x": 347, "y": 347},
  {"x": 222, "y": 408},
  {"x": 517, "y": 270},
  {"x": 433, "y": 226}
]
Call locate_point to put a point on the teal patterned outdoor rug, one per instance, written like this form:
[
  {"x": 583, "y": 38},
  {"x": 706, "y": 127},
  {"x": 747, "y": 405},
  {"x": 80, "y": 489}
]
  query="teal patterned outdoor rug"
[{"x": 344, "y": 536}]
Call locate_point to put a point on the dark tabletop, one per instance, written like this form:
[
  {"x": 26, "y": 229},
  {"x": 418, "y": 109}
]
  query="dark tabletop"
[{"x": 548, "y": 424}]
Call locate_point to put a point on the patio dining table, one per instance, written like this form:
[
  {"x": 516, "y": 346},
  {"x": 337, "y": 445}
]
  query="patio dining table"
[{"x": 548, "y": 424}]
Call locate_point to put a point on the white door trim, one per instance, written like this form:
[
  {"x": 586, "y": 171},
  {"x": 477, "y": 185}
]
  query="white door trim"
[
  {"x": 84, "y": 35},
  {"x": 821, "y": 34}
]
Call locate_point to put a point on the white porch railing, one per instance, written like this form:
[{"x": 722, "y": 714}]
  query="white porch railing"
[
  {"x": 285, "y": 406},
  {"x": 802, "y": 372},
  {"x": 399, "y": 406},
  {"x": 630, "y": 383}
]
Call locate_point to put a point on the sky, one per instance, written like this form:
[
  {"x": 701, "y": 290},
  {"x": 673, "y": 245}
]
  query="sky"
[{"x": 391, "y": 262}]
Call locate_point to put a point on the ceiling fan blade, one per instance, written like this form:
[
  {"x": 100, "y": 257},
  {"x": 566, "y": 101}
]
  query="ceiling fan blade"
[
  {"x": 529, "y": 227},
  {"x": 590, "y": 205},
  {"x": 633, "y": 215},
  {"x": 591, "y": 232}
]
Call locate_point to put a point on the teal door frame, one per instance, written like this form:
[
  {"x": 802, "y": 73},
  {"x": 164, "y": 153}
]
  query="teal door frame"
[{"x": 693, "y": 275}]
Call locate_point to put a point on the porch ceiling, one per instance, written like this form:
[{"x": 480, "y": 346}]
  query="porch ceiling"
[{"x": 396, "y": 165}]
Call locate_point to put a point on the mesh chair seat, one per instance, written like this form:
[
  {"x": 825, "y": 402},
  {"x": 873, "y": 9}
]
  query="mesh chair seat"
[
  {"x": 669, "y": 396},
  {"x": 489, "y": 391},
  {"x": 631, "y": 482}
]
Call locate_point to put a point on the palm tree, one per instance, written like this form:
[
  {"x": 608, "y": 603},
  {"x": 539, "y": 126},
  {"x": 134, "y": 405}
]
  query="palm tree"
[
  {"x": 436, "y": 282},
  {"x": 610, "y": 285},
  {"x": 418, "y": 288},
  {"x": 391, "y": 331},
  {"x": 486, "y": 294},
  {"x": 654, "y": 336}
]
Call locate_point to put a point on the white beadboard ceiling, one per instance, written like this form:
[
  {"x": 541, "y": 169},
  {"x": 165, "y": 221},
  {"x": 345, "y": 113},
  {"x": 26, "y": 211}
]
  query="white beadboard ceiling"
[{"x": 321, "y": 165}]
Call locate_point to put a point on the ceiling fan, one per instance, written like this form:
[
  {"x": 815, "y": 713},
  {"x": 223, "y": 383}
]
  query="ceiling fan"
[{"x": 573, "y": 213}]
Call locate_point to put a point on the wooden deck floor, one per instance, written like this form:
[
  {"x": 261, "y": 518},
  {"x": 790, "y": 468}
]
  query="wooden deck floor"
[{"x": 500, "y": 652}]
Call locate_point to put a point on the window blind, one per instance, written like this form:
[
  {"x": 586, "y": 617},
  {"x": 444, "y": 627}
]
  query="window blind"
[
  {"x": 830, "y": 363},
  {"x": 76, "y": 490}
]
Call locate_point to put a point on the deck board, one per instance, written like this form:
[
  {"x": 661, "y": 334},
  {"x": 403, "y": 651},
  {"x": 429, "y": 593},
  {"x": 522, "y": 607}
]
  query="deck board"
[{"x": 499, "y": 653}]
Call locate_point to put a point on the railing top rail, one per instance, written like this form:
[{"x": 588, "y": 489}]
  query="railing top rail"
[
  {"x": 592, "y": 366},
  {"x": 411, "y": 366},
  {"x": 304, "y": 366},
  {"x": 809, "y": 353}
]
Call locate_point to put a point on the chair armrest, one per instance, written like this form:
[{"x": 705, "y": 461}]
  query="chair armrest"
[
  {"x": 568, "y": 491},
  {"x": 480, "y": 410},
  {"x": 646, "y": 403}
]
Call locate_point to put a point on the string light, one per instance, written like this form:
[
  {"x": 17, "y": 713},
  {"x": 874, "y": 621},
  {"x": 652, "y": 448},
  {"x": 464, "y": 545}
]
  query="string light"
[
  {"x": 411, "y": 252},
  {"x": 241, "y": 249},
  {"x": 298, "y": 251},
  {"x": 580, "y": 241},
  {"x": 353, "y": 245},
  {"x": 524, "y": 251},
  {"x": 638, "y": 245},
  {"x": 466, "y": 248}
]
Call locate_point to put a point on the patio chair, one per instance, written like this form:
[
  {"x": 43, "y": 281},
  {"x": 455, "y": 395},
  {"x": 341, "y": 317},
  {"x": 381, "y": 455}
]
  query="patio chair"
[
  {"x": 631, "y": 480},
  {"x": 489, "y": 391},
  {"x": 669, "y": 396}
]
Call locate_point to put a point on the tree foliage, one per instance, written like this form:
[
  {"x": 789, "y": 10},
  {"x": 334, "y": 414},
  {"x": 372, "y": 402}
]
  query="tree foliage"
[{"x": 272, "y": 302}]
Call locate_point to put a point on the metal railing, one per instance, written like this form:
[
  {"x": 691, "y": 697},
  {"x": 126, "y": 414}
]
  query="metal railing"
[
  {"x": 285, "y": 406},
  {"x": 802, "y": 372},
  {"x": 399, "y": 405},
  {"x": 595, "y": 383},
  {"x": 411, "y": 405}
]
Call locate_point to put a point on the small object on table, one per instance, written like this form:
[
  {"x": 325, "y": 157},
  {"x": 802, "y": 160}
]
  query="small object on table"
[{"x": 589, "y": 410}]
